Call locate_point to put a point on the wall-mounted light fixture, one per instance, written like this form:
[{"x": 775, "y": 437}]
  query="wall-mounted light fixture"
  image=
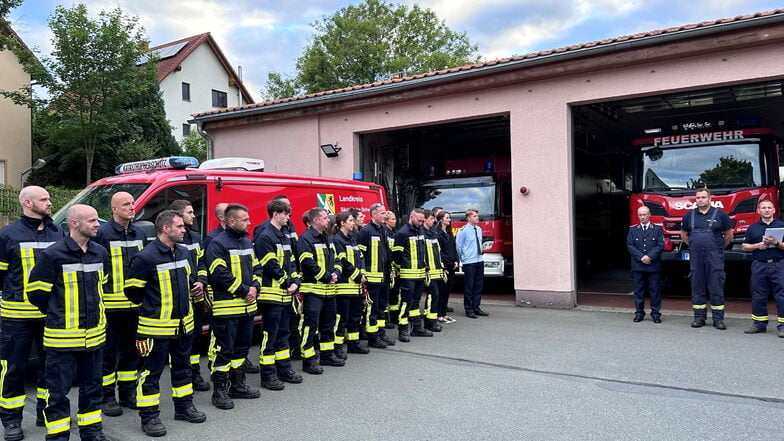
[{"x": 331, "y": 150}]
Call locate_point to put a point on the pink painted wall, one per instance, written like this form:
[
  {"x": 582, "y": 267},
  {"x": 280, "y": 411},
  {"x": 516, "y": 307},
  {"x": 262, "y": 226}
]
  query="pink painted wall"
[{"x": 540, "y": 144}]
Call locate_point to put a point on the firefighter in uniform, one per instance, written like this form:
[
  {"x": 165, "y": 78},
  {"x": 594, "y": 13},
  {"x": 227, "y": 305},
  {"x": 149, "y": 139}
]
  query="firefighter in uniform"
[
  {"x": 234, "y": 274},
  {"x": 220, "y": 210},
  {"x": 22, "y": 323},
  {"x": 373, "y": 241},
  {"x": 278, "y": 283},
  {"x": 393, "y": 299},
  {"x": 66, "y": 284},
  {"x": 161, "y": 279},
  {"x": 319, "y": 275},
  {"x": 295, "y": 340},
  {"x": 645, "y": 243},
  {"x": 349, "y": 300},
  {"x": 767, "y": 269},
  {"x": 409, "y": 255},
  {"x": 435, "y": 272},
  {"x": 707, "y": 231},
  {"x": 123, "y": 239},
  {"x": 201, "y": 305}
]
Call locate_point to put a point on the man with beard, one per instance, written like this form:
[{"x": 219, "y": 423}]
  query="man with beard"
[
  {"x": 409, "y": 255},
  {"x": 22, "y": 323},
  {"x": 161, "y": 278},
  {"x": 233, "y": 274},
  {"x": 123, "y": 239},
  {"x": 66, "y": 284},
  {"x": 374, "y": 244}
]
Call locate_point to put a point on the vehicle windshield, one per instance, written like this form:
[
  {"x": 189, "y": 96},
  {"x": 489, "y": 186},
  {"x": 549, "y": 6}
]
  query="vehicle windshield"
[
  {"x": 457, "y": 197},
  {"x": 99, "y": 197},
  {"x": 728, "y": 166}
]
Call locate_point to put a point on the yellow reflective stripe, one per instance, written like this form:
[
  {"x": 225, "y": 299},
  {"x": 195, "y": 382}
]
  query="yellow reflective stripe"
[
  {"x": 39, "y": 285},
  {"x": 306, "y": 352},
  {"x": 414, "y": 313},
  {"x": 27, "y": 257},
  {"x": 267, "y": 257},
  {"x": 397, "y": 248},
  {"x": 109, "y": 379},
  {"x": 58, "y": 426},
  {"x": 148, "y": 400},
  {"x": 237, "y": 362},
  {"x": 321, "y": 262},
  {"x": 75, "y": 338},
  {"x": 353, "y": 336},
  {"x": 10, "y": 402},
  {"x": 717, "y": 307},
  {"x": 781, "y": 319},
  {"x": 703, "y": 306},
  {"x": 412, "y": 252},
  {"x": 264, "y": 341},
  {"x": 116, "y": 253},
  {"x": 305, "y": 255},
  {"x": 195, "y": 359},
  {"x": 283, "y": 355},
  {"x": 216, "y": 263},
  {"x": 41, "y": 393},
  {"x": 127, "y": 375},
  {"x": 85, "y": 419},
  {"x": 402, "y": 319},
  {"x": 760, "y": 318},
  {"x": 71, "y": 298},
  {"x": 3, "y": 266},
  {"x": 182, "y": 391},
  {"x": 236, "y": 271},
  {"x": 327, "y": 346},
  {"x": 135, "y": 283}
]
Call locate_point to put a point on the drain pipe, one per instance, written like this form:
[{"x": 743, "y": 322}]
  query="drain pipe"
[{"x": 210, "y": 143}]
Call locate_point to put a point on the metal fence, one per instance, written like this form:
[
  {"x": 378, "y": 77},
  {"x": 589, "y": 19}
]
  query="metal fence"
[{"x": 9, "y": 201}]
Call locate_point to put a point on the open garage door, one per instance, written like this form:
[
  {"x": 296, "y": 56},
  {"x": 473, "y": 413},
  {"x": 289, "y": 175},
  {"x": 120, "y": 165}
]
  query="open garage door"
[
  {"x": 656, "y": 151},
  {"x": 455, "y": 165}
]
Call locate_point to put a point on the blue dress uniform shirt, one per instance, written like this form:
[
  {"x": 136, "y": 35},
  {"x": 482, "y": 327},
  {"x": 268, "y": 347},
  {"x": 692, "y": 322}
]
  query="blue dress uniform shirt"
[
  {"x": 645, "y": 242},
  {"x": 754, "y": 235},
  {"x": 469, "y": 242}
]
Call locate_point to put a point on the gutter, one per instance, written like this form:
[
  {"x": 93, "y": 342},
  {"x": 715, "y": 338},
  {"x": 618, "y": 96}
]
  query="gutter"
[
  {"x": 498, "y": 68},
  {"x": 210, "y": 142}
]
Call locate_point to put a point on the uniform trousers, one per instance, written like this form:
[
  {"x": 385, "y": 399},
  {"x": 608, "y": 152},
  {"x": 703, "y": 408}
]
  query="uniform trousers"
[
  {"x": 318, "y": 313},
  {"x": 474, "y": 274},
  {"x": 230, "y": 342},
  {"x": 767, "y": 278},
  {"x": 274, "y": 354},
  {"x": 410, "y": 298},
  {"x": 17, "y": 337},
  {"x": 348, "y": 316},
  {"x": 200, "y": 318},
  {"x": 61, "y": 368},
  {"x": 175, "y": 351},
  {"x": 120, "y": 357}
]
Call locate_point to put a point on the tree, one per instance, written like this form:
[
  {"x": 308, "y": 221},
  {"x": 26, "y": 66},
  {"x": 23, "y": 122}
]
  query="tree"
[
  {"x": 371, "y": 42},
  {"x": 727, "y": 172},
  {"x": 102, "y": 106},
  {"x": 194, "y": 145}
]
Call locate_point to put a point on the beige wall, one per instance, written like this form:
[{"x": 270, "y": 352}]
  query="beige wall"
[
  {"x": 15, "y": 129},
  {"x": 540, "y": 144}
]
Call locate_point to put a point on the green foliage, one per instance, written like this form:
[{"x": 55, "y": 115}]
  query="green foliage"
[
  {"x": 194, "y": 145},
  {"x": 729, "y": 172},
  {"x": 103, "y": 107},
  {"x": 7, "y": 5},
  {"x": 9, "y": 201},
  {"x": 371, "y": 42}
]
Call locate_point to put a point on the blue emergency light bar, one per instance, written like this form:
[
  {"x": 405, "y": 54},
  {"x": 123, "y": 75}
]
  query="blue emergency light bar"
[{"x": 169, "y": 163}]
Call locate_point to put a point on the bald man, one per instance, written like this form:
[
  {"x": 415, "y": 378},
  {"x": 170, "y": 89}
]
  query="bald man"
[
  {"x": 66, "y": 285},
  {"x": 645, "y": 243},
  {"x": 22, "y": 327},
  {"x": 123, "y": 240}
]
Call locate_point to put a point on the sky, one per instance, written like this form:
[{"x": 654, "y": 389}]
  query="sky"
[{"x": 263, "y": 35}]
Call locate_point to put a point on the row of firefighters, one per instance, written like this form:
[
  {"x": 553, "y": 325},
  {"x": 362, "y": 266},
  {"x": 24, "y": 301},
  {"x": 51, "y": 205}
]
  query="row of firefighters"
[{"x": 114, "y": 312}]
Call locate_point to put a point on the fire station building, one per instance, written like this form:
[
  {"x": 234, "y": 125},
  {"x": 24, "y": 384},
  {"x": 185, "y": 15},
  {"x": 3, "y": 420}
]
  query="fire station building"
[{"x": 564, "y": 122}]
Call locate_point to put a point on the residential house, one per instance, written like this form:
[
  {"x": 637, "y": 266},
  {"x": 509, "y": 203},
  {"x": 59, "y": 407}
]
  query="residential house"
[
  {"x": 15, "y": 120},
  {"x": 194, "y": 77}
]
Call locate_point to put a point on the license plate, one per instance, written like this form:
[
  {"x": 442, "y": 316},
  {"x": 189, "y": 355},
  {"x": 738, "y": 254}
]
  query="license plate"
[{"x": 685, "y": 256}]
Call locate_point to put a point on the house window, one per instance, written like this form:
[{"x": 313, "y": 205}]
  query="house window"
[
  {"x": 186, "y": 129},
  {"x": 218, "y": 98},
  {"x": 186, "y": 91}
]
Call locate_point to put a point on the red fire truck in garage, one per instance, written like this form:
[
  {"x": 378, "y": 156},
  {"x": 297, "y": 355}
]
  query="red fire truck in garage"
[{"x": 740, "y": 166}]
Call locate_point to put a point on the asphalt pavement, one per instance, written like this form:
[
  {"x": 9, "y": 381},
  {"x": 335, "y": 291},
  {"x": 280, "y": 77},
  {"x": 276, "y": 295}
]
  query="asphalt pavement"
[{"x": 520, "y": 374}]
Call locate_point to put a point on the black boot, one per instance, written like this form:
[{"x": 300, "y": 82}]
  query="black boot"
[
  {"x": 13, "y": 432},
  {"x": 110, "y": 408},
  {"x": 402, "y": 333},
  {"x": 238, "y": 388},
  {"x": 220, "y": 391},
  {"x": 249, "y": 367},
  {"x": 420, "y": 331},
  {"x": 196, "y": 379},
  {"x": 311, "y": 366},
  {"x": 154, "y": 427},
  {"x": 190, "y": 414},
  {"x": 329, "y": 359},
  {"x": 376, "y": 342},
  {"x": 340, "y": 351},
  {"x": 289, "y": 376},
  {"x": 382, "y": 333},
  {"x": 355, "y": 347},
  {"x": 432, "y": 325}
]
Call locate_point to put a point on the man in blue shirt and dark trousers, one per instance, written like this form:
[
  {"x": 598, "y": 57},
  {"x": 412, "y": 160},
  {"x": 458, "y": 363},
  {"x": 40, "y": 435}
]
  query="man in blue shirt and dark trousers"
[
  {"x": 767, "y": 269},
  {"x": 469, "y": 249}
]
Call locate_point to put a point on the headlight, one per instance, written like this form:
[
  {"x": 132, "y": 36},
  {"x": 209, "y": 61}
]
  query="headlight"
[{"x": 487, "y": 244}]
